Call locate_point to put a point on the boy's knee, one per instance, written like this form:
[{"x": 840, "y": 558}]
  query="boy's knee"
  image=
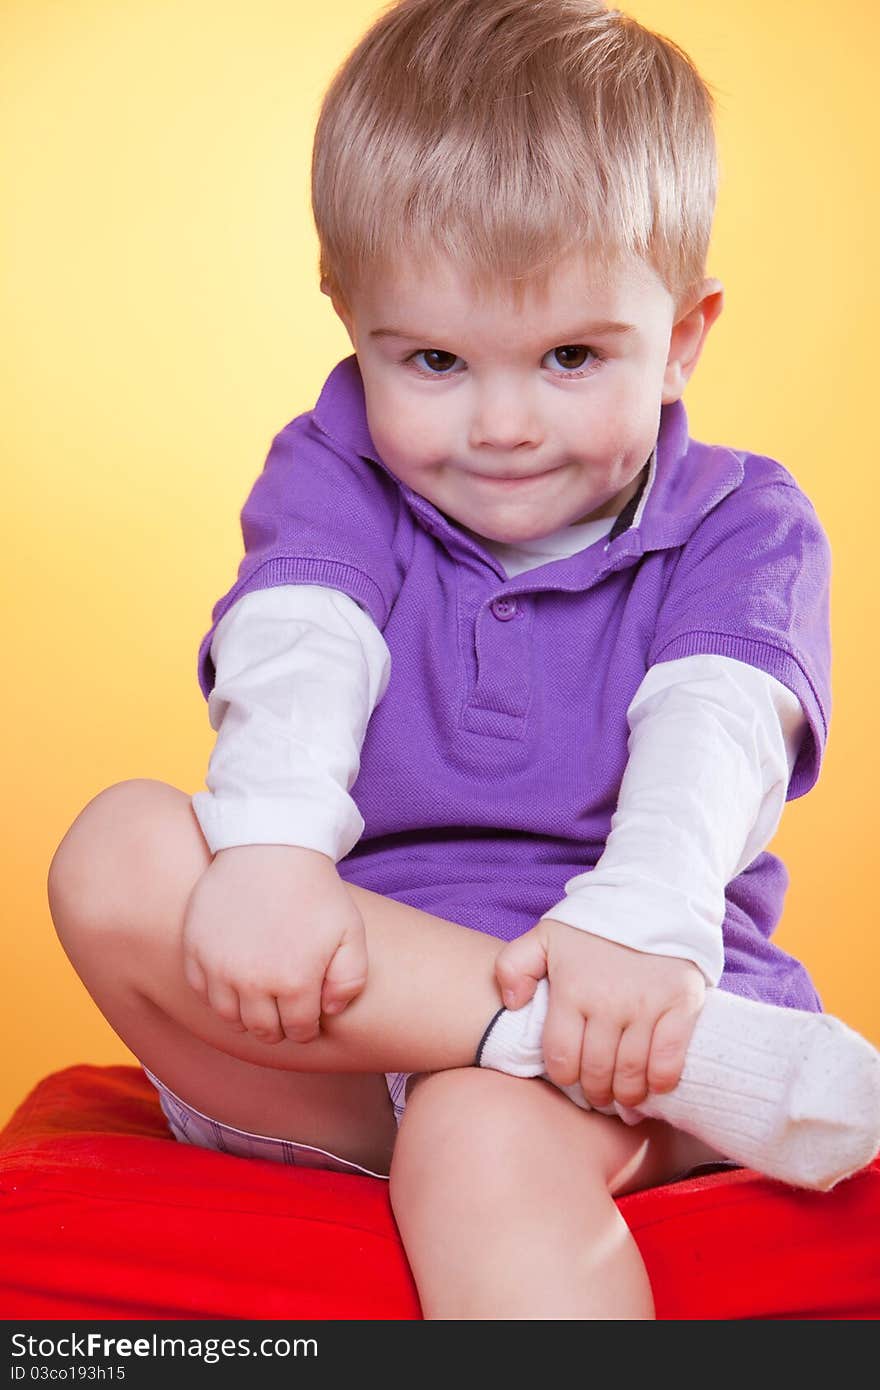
[
  {"x": 97, "y": 859},
  {"x": 465, "y": 1119},
  {"x": 495, "y": 1133}
]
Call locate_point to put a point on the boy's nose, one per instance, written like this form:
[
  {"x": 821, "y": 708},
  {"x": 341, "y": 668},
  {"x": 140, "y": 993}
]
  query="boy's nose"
[{"x": 505, "y": 422}]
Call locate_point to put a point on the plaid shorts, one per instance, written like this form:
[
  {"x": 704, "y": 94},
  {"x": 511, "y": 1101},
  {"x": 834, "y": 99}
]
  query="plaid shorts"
[{"x": 190, "y": 1126}]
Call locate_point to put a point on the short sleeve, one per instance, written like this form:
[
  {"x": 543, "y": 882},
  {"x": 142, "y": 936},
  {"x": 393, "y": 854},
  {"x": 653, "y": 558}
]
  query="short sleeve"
[
  {"x": 318, "y": 515},
  {"x": 753, "y": 583}
]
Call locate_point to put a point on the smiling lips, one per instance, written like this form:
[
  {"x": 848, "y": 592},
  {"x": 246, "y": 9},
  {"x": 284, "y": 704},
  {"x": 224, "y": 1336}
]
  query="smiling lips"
[{"x": 513, "y": 480}]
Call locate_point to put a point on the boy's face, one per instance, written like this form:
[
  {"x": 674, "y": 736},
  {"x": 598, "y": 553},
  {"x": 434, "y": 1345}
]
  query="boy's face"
[{"x": 516, "y": 423}]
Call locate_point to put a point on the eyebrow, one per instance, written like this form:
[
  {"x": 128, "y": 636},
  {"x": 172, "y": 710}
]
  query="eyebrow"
[{"x": 603, "y": 329}]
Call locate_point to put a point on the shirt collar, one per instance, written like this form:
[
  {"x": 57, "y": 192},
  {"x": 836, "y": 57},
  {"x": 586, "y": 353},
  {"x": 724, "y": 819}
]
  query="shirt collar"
[{"x": 685, "y": 479}]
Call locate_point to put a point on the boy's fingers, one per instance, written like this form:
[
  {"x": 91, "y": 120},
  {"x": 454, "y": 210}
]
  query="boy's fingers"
[
  {"x": 259, "y": 1014},
  {"x": 598, "y": 1058},
  {"x": 345, "y": 976},
  {"x": 195, "y": 977},
  {"x": 672, "y": 1033},
  {"x": 299, "y": 1015},
  {"x": 519, "y": 965},
  {"x": 561, "y": 1042},
  {"x": 225, "y": 1002},
  {"x": 630, "y": 1083}
]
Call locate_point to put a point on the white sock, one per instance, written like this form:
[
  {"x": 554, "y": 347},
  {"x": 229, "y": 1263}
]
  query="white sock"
[{"x": 792, "y": 1094}]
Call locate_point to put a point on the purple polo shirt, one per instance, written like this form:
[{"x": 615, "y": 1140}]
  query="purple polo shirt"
[{"x": 491, "y": 767}]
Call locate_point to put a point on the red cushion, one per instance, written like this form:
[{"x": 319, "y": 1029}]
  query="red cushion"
[{"x": 105, "y": 1215}]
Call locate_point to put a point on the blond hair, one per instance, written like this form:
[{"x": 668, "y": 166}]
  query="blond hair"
[{"x": 505, "y": 134}]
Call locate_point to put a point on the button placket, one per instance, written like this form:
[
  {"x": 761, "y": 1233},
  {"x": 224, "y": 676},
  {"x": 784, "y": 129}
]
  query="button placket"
[{"x": 502, "y": 694}]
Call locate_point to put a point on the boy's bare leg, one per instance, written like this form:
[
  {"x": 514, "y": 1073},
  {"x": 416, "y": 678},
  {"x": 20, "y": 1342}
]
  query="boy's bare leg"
[
  {"x": 118, "y": 888},
  {"x": 503, "y": 1194},
  {"x": 499, "y": 1218}
]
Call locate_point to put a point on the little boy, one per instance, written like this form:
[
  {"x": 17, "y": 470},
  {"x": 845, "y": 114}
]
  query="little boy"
[{"x": 507, "y": 650}]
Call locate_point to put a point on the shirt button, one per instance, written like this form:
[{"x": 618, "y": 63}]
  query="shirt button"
[{"x": 504, "y": 608}]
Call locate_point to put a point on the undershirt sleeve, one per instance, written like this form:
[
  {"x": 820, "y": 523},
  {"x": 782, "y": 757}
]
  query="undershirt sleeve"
[{"x": 299, "y": 670}]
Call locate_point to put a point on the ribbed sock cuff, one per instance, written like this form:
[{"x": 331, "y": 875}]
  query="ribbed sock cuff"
[{"x": 512, "y": 1042}]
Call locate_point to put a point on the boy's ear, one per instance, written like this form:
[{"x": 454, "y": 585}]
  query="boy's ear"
[
  {"x": 340, "y": 309},
  {"x": 689, "y": 333}
]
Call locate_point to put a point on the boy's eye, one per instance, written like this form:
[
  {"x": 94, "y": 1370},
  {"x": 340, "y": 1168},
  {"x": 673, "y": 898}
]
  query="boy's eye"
[
  {"x": 565, "y": 355},
  {"x": 576, "y": 358},
  {"x": 431, "y": 355}
]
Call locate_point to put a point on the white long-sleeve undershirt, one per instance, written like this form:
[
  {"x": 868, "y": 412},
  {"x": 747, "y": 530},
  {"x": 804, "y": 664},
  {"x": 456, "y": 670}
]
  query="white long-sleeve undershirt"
[{"x": 713, "y": 741}]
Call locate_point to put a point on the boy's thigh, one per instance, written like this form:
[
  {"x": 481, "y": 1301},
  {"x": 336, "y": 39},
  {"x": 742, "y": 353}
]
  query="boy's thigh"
[
  {"x": 347, "y": 1115},
  {"x": 192, "y": 1126},
  {"x": 118, "y": 887}
]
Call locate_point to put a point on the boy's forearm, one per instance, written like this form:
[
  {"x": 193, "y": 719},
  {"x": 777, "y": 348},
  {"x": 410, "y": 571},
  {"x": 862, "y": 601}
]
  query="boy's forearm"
[{"x": 429, "y": 997}]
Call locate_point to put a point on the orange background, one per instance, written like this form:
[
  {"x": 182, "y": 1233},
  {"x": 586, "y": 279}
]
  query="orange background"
[{"x": 163, "y": 321}]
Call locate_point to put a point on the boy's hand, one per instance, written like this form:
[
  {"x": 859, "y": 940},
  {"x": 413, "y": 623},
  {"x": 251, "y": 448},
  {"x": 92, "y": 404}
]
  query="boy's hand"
[
  {"x": 272, "y": 938},
  {"x": 618, "y": 1020}
]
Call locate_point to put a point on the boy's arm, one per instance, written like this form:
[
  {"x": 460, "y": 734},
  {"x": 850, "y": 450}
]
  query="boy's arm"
[
  {"x": 300, "y": 669},
  {"x": 712, "y": 746},
  {"x": 296, "y": 683}
]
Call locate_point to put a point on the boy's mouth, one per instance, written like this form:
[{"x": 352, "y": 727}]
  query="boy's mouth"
[{"x": 513, "y": 478}]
